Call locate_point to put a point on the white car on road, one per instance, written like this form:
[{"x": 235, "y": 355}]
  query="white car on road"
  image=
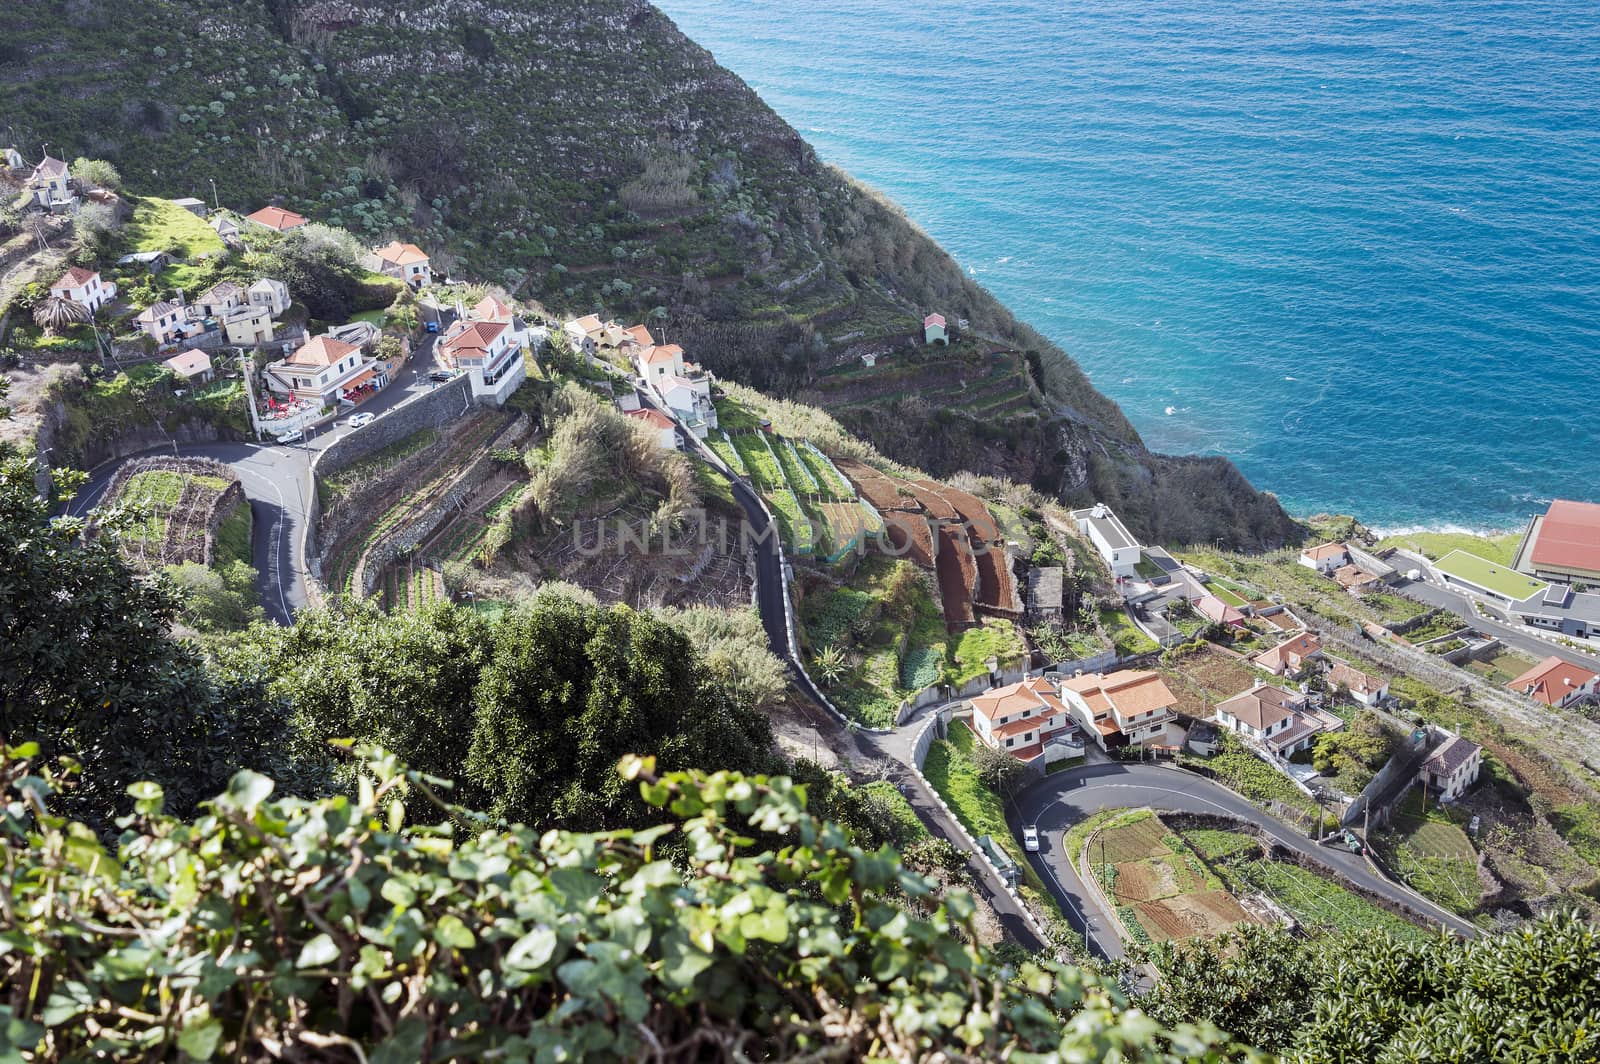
[
  {"x": 292, "y": 436},
  {"x": 357, "y": 420},
  {"x": 1030, "y": 839}
]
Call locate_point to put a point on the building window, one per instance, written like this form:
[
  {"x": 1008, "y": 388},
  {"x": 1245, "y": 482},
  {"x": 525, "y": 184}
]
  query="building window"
[{"x": 1011, "y": 741}]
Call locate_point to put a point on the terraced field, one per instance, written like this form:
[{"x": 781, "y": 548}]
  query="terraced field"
[
  {"x": 464, "y": 447},
  {"x": 1160, "y": 888}
]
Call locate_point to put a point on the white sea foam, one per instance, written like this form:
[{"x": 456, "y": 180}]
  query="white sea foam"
[{"x": 1446, "y": 528}]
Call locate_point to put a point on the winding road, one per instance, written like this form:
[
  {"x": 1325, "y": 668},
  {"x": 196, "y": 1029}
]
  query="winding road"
[{"x": 278, "y": 483}]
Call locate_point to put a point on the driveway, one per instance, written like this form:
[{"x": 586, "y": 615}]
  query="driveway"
[{"x": 1059, "y": 801}]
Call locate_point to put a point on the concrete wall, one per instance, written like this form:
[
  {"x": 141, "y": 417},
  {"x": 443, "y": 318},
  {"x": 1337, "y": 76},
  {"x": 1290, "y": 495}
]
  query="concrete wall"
[{"x": 432, "y": 409}]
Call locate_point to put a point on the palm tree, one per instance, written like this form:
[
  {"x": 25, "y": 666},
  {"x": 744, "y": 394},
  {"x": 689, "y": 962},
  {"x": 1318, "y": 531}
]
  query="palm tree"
[
  {"x": 831, "y": 665},
  {"x": 55, "y": 314}
]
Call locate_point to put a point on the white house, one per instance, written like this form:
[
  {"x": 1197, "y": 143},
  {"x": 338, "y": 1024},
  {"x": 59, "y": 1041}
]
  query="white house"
[
  {"x": 1325, "y": 557},
  {"x": 164, "y": 322},
  {"x": 659, "y": 425},
  {"x": 1364, "y": 688},
  {"x": 84, "y": 286},
  {"x": 1129, "y": 706},
  {"x": 583, "y": 333},
  {"x": 219, "y": 299},
  {"x": 270, "y": 293},
  {"x": 324, "y": 371},
  {"x": 405, "y": 262},
  {"x": 248, "y": 324},
  {"x": 193, "y": 366},
  {"x": 1110, "y": 537},
  {"x": 486, "y": 351},
  {"x": 681, "y": 385},
  {"x": 51, "y": 184},
  {"x": 1453, "y": 767},
  {"x": 933, "y": 330},
  {"x": 1273, "y": 717},
  {"x": 1022, "y": 718}
]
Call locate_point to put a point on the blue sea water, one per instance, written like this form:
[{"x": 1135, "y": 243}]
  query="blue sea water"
[{"x": 1353, "y": 245}]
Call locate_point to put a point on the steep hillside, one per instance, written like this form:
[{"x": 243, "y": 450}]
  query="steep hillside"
[{"x": 591, "y": 156}]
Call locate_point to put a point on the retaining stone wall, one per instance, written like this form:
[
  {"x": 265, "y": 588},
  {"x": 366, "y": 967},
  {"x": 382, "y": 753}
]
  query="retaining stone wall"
[{"x": 433, "y": 409}]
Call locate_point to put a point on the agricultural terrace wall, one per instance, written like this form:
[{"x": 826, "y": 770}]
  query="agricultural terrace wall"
[
  {"x": 217, "y": 509},
  {"x": 412, "y": 534}
]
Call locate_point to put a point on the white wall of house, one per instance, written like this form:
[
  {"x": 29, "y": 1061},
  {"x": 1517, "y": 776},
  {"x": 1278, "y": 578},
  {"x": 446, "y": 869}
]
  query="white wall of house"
[{"x": 93, "y": 293}]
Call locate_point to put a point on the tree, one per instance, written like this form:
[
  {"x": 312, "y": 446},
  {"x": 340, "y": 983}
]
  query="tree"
[
  {"x": 96, "y": 173},
  {"x": 87, "y": 668},
  {"x": 569, "y": 687},
  {"x": 332, "y": 931},
  {"x": 733, "y": 645},
  {"x": 1254, "y": 983},
  {"x": 216, "y": 600},
  {"x": 996, "y": 768},
  {"x": 56, "y": 314}
]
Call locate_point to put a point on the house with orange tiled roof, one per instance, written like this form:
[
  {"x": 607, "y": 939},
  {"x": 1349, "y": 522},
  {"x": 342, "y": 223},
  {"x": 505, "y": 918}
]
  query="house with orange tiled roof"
[
  {"x": 1556, "y": 682},
  {"x": 1290, "y": 657},
  {"x": 1022, "y": 718},
  {"x": 276, "y": 219},
  {"x": 326, "y": 371},
  {"x": 584, "y": 332},
  {"x": 193, "y": 366},
  {"x": 659, "y": 424},
  {"x": 84, "y": 286},
  {"x": 1116, "y": 709},
  {"x": 403, "y": 262},
  {"x": 1325, "y": 557},
  {"x": 1216, "y": 611},
  {"x": 637, "y": 336},
  {"x": 1365, "y": 688},
  {"x": 489, "y": 352},
  {"x": 934, "y": 330}
]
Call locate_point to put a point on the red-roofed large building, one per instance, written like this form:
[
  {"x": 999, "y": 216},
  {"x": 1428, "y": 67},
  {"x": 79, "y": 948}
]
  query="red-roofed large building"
[
  {"x": 1022, "y": 718},
  {"x": 489, "y": 353},
  {"x": 326, "y": 371},
  {"x": 84, "y": 286},
  {"x": 1130, "y": 706},
  {"x": 404, "y": 262},
  {"x": 1556, "y": 682},
  {"x": 276, "y": 218},
  {"x": 1563, "y": 543}
]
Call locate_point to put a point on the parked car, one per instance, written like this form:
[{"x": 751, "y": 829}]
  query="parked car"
[
  {"x": 439, "y": 376},
  {"x": 431, "y": 326},
  {"x": 292, "y": 436},
  {"x": 357, "y": 420},
  {"x": 1030, "y": 839}
]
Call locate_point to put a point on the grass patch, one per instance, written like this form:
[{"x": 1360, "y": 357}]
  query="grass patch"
[
  {"x": 908, "y": 826},
  {"x": 1313, "y": 900},
  {"x": 1217, "y": 843},
  {"x": 331, "y": 487},
  {"x": 974, "y": 647},
  {"x": 1226, "y": 594},
  {"x": 1125, "y": 636},
  {"x": 1063, "y": 764},
  {"x": 1236, "y": 767},
  {"x": 1428, "y": 849},
  {"x": 233, "y": 535},
  {"x": 952, "y": 773},
  {"x": 1435, "y": 545}
]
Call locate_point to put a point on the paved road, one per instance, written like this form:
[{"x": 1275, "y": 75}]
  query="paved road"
[
  {"x": 277, "y": 481},
  {"x": 1433, "y": 594},
  {"x": 1059, "y": 801}
]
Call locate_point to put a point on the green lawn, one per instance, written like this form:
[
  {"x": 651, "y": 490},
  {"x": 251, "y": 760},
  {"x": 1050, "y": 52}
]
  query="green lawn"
[
  {"x": 1499, "y": 549},
  {"x": 974, "y": 647},
  {"x": 1226, "y": 594},
  {"x": 1497, "y": 577}
]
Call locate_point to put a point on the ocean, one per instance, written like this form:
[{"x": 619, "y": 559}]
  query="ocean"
[{"x": 1354, "y": 246}]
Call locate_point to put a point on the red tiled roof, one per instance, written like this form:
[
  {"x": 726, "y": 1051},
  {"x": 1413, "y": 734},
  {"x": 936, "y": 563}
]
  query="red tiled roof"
[
  {"x": 1552, "y": 680},
  {"x": 467, "y": 338},
  {"x": 321, "y": 351},
  {"x": 74, "y": 278},
  {"x": 1569, "y": 537},
  {"x": 654, "y": 418},
  {"x": 1214, "y": 609},
  {"x": 650, "y": 356},
  {"x": 491, "y": 309},
  {"x": 1260, "y": 707},
  {"x": 1130, "y": 692},
  {"x": 640, "y": 335},
  {"x": 1300, "y": 647},
  {"x": 933, "y": 319},
  {"x": 190, "y": 362},
  {"x": 276, "y": 218},
  {"x": 401, "y": 254},
  {"x": 1324, "y": 551}
]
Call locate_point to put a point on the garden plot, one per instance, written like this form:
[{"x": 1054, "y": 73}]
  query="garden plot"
[
  {"x": 1158, "y": 885},
  {"x": 180, "y": 497}
]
